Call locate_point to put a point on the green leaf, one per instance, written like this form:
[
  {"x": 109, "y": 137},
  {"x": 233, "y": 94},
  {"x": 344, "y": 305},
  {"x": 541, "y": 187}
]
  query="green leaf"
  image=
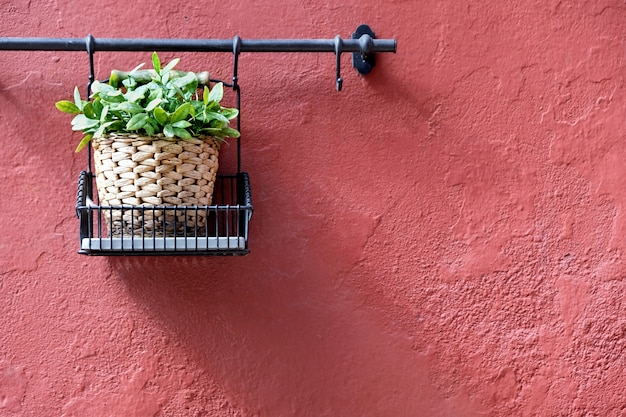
[
  {"x": 181, "y": 112},
  {"x": 168, "y": 131},
  {"x": 230, "y": 114},
  {"x": 188, "y": 82},
  {"x": 130, "y": 107},
  {"x": 153, "y": 104},
  {"x": 217, "y": 124},
  {"x": 115, "y": 96},
  {"x": 135, "y": 95},
  {"x": 170, "y": 92},
  {"x": 77, "y": 100},
  {"x": 82, "y": 122},
  {"x": 114, "y": 80},
  {"x": 129, "y": 83},
  {"x": 153, "y": 124},
  {"x": 156, "y": 63},
  {"x": 205, "y": 95},
  {"x": 89, "y": 111},
  {"x": 217, "y": 132},
  {"x": 98, "y": 107},
  {"x": 211, "y": 115},
  {"x": 137, "y": 121},
  {"x": 181, "y": 133},
  {"x": 84, "y": 141},
  {"x": 149, "y": 129},
  {"x": 213, "y": 106},
  {"x": 67, "y": 106},
  {"x": 197, "y": 108},
  {"x": 104, "y": 113},
  {"x": 98, "y": 87},
  {"x": 217, "y": 93},
  {"x": 165, "y": 78},
  {"x": 160, "y": 115},
  {"x": 102, "y": 129},
  {"x": 181, "y": 124},
  {"x": 231, "y": 133},
  {"x": 171, "y": 65},
  {"x": 134, "y": 70},
  {"x": 117, "y": 126},
  {"x": 155, "y": 92},
  {"x": 177, "y": 90}
]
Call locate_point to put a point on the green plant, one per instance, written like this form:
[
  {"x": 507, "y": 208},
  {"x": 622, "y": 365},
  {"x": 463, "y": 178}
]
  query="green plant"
[{"x": 155, "y": 101}]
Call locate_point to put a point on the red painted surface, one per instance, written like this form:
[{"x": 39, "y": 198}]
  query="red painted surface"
[{"x": 445, "y": 237}]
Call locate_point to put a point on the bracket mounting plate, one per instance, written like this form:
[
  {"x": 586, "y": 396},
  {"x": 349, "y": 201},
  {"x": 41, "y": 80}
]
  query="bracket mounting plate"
[{"x": 364, "y": 63}]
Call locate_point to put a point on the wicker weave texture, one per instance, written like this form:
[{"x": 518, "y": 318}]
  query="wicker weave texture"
[{"x": 134, "y": 170}]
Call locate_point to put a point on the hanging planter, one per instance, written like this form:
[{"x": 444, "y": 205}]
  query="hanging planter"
[{"x": 156, "y": 136}]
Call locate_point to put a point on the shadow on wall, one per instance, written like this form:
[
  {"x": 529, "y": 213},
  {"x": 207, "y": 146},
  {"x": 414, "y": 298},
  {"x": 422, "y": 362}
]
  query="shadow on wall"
[
  {"x": 286, "y": 329},
  {"x": 285, "y": 346}
]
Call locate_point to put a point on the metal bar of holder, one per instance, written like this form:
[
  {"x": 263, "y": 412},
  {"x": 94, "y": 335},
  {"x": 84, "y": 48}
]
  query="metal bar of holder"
[
  {"x": 231, "y": 217},
  {"x": 363, "y": 45},
  {"x": 197, "y": 45}
]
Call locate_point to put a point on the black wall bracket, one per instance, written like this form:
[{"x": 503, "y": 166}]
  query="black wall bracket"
[{"x": 364, "y": 60}]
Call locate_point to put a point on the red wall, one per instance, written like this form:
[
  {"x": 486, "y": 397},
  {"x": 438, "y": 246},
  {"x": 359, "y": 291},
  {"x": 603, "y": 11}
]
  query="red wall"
[{"x": 445, "y": 237}]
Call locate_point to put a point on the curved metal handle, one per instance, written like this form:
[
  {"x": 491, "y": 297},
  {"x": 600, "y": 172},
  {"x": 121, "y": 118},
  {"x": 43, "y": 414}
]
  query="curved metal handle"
[
  {"x": 236, "y": 51},
  {"x": 338, "y": 51}
]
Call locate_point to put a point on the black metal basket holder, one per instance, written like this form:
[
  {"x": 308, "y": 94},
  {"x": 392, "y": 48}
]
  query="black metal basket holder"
[{"x": 224, "y": 226}]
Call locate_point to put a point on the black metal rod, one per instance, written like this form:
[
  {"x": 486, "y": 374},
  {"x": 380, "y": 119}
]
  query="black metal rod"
[{"x": 365, "y": 46}]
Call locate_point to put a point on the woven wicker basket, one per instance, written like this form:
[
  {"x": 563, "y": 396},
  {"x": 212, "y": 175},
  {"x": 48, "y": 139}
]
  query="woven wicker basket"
[{"x": 145, "y": 171}]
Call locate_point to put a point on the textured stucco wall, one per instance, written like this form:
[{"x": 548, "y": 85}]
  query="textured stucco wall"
[{"x": 443, "y": 238}]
